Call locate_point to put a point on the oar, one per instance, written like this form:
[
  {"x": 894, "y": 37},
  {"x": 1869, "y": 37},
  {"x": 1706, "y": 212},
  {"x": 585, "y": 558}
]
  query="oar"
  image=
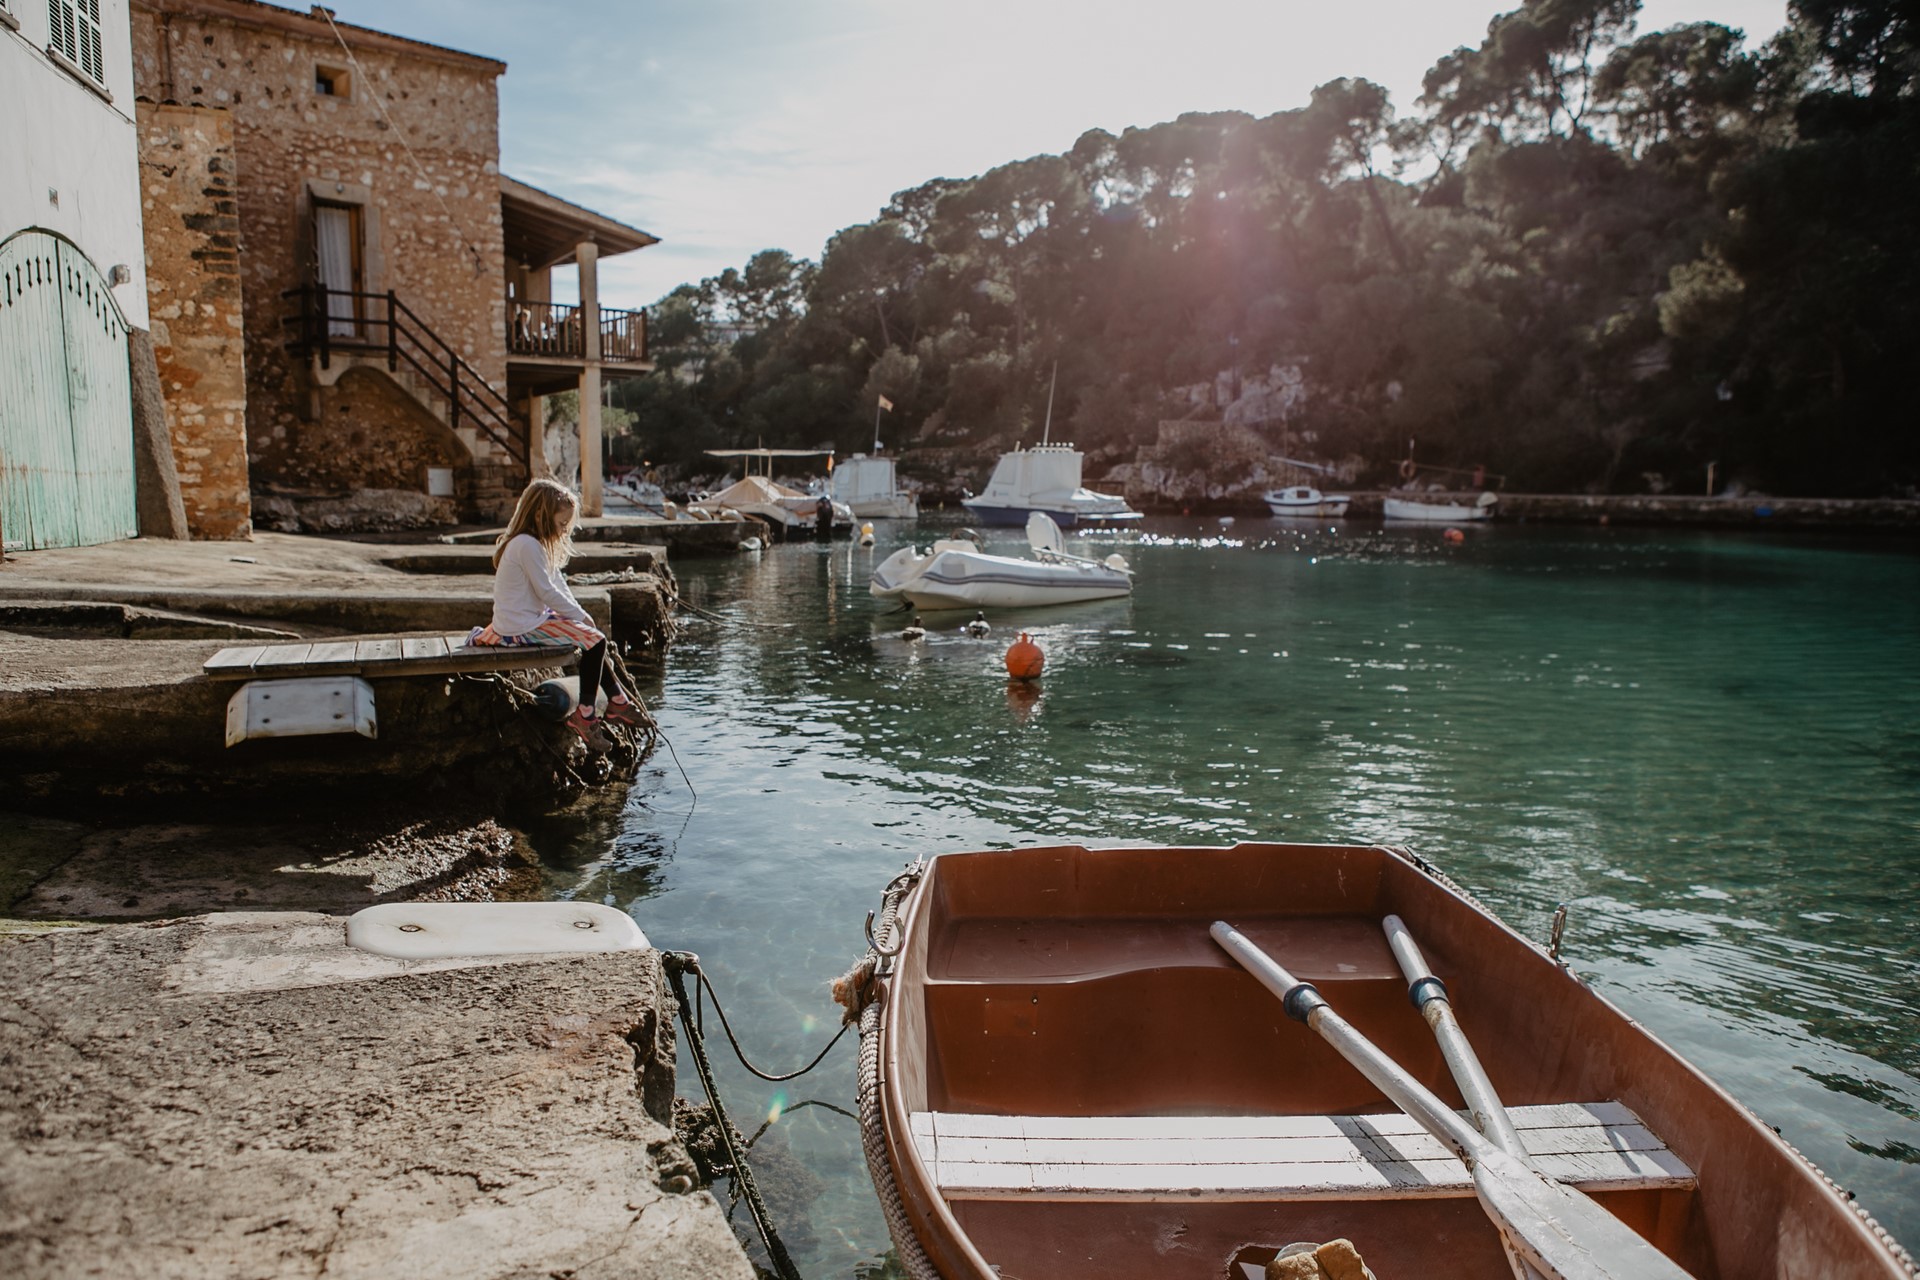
[
  {"x": 1429, "y": 995},
  {"x": 1557, "y": 1230}
]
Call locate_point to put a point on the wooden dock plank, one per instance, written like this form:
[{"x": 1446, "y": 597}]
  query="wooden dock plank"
[
  {"x": 382, "y": 657},
  {"x": 425, "y": 648},
  {"x": 279, "y": 657},
  {"x": 234, "y": 661}
]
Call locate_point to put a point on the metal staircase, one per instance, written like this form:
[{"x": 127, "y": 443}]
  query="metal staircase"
[{"x": 330, "y": 322}]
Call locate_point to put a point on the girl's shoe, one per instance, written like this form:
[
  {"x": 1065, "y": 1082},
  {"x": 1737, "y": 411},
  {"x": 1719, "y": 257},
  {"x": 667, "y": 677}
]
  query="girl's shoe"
[
  {"x": 627, "y": 713},
  {"x": 588, "y": 729}
]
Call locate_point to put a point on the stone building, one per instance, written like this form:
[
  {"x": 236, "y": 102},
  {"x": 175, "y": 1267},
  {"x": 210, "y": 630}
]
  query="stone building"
[{"x": 344, "y": 259}]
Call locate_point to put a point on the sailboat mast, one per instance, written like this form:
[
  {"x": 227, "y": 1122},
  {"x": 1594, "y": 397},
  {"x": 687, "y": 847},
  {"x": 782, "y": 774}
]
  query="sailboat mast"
[{"x": 1046, "y": 431}]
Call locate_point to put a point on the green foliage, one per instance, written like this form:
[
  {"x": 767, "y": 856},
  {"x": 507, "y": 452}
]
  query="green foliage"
[{"x": 1592, "y": 255}]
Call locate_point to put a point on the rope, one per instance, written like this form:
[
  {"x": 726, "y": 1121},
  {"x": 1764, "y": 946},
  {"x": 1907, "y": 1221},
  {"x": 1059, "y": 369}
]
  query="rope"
[
  {"x": 676, "y": 963},
  {"x": 704, "y": 983},
  {"x": 698, "y": 612},
  {"x": 873, "y": 1137},
  {"x": 373, "y": 96}
]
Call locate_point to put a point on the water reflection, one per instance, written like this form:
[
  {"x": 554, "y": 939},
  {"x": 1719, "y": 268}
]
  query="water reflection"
[{"x": 1703, "y": 743}]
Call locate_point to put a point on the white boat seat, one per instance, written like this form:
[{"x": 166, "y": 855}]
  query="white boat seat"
[{"x": 1595, "y": 1146}]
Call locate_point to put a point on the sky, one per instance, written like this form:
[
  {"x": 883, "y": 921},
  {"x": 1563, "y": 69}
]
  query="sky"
[{"x": 725, "y": 127}]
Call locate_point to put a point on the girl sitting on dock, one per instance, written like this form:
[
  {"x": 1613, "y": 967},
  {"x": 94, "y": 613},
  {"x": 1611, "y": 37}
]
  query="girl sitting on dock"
[{"x": 531, "y": 604}]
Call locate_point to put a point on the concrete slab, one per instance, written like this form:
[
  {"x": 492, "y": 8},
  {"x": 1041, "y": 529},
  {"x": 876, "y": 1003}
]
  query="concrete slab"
[{"x": 240, "y": 1096}]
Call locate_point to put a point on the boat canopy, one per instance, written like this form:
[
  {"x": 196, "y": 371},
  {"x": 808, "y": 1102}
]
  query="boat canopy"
[
  {"x": 861, "y": 478},
  {"x": 1048, "y": 472},
  {"x": 753, "y": 489}
]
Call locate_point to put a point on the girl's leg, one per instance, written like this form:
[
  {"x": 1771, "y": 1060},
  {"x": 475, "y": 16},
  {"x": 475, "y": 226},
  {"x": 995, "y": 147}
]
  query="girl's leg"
[{"x": 593, "y": 674}]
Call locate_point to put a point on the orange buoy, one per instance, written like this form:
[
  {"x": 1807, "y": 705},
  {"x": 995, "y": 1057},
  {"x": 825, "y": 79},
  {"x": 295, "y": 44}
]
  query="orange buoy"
[
  {"x": 1024, "y": 658},
  {"x": 1454, "y": 536}
]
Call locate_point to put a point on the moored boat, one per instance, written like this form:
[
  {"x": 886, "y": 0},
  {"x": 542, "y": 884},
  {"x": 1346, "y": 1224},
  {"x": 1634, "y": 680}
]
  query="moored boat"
[
  {"x": 758, "y": 494},
  {"x": 871, "y": 490},
  {"x": 1070, "y": 1077},
  {"x": 956, "y": 574},
  {"x": 1304, "y": 500},
  {"x": 1046, "y": 479},
  {"x": 1411, "y": 509}
]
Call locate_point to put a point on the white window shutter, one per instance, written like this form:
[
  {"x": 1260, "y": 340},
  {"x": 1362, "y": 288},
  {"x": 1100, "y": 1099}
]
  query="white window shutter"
[
  {"x": 73, "y": 31},
  {"x": 90, "y": 59}
]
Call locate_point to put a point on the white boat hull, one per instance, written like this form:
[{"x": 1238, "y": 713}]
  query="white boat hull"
[
  {"x": 950, "y": 577},
  {"x": 1306, "y": 502},
  {"x": 1436, "y": 512},
  {"x": 898, "y": 506}
]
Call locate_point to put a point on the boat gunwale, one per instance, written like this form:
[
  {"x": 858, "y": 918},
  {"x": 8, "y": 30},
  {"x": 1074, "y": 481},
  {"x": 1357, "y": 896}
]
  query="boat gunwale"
[{"x": 1795, "y": 1177}]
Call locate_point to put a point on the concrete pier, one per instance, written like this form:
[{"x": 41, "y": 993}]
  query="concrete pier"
[{"x": 244, "y": 1095}]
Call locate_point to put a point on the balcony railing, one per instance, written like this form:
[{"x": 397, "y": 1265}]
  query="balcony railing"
[
  {"x": 554, "y": 329},
  {"x": 623, "y": 336}
]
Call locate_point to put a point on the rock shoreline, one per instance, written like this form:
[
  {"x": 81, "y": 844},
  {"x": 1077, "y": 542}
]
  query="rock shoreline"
[{"x": 243, "y": 1095}]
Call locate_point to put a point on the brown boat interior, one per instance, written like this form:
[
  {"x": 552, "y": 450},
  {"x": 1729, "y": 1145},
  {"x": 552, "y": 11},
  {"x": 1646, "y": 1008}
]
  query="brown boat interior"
[{"x": 1060, "y": 983}]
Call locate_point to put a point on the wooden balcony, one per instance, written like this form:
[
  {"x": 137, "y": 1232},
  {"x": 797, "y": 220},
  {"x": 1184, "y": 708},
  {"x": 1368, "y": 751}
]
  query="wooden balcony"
[{"x": 556, "y": 331}]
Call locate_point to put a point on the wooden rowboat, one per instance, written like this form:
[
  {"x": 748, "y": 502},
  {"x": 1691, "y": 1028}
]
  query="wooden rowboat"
[{"x": 1075, "y": 1080}]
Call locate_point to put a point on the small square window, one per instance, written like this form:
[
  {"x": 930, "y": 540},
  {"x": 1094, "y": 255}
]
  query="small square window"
[{"x": 331, "y": 82}]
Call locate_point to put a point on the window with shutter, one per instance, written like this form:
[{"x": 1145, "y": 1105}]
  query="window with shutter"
[{"x": 73, "y": 32}]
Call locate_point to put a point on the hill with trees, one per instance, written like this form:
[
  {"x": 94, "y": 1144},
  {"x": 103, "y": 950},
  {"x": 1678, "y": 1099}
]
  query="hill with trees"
[{"x": 1590, "y": 259}]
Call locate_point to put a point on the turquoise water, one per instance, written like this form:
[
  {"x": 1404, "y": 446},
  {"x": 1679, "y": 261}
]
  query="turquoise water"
[{"x": 1707, "y": 744}]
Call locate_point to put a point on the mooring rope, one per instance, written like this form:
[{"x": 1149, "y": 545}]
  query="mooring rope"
[
  {"x": 677, "y": 963},
  {"x": 865, "y": 991}
]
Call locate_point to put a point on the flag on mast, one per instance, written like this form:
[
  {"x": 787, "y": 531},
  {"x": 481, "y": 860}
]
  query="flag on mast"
[{"x": 886, "y": 404}]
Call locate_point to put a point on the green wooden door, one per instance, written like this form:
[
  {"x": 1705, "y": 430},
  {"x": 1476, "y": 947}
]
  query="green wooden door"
[{"x": 66, "y": 404}]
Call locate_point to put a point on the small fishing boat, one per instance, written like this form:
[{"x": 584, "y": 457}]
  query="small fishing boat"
[
  {"x": 1304, "y": 500},
  {"x": 758, "y": 494},
  {"x": 871, "y": 490},
  {"x": 1440, "y": 512},
  {"x": 1167, "y": 1063},
  {"x": 957, "y": 574}
]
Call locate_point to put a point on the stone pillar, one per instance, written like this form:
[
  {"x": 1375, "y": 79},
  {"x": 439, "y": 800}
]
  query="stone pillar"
[
  {"x": 587, "y": 254},
  {"x": 537, "y": 437}
]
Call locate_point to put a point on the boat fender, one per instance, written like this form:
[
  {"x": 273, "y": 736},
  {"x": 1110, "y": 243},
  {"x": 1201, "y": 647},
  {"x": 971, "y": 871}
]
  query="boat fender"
[
  {"x": 1407, "y": 469},
  {"x": 1424, "y": 989},
  {"x": 1117, "y": 563},
  {"x": 1301, "y": 1000}
]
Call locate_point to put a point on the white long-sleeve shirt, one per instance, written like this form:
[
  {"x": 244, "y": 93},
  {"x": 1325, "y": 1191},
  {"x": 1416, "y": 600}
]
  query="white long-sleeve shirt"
[{"x": 525, "y": 586}]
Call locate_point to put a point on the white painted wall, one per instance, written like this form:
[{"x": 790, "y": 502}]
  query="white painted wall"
[{"x": 58, "y": 135}]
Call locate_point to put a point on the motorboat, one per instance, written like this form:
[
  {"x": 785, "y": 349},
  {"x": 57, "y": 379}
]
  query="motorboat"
[
  {"x": 1165, "y": 1062},
  {"x": 1440, "y": 512},
  {"x": 635, "y": 492},
  {"x": 870, "y": 489},
  {"x": 956, "y": 574},
  {"x": 1304, "y": 500},
  {"x": 1046, "y": 479},
  {"x": 758, "y": 494}
]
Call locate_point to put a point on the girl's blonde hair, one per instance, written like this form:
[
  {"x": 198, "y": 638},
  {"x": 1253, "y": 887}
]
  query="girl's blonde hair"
[{"x": 545, "y": 510}]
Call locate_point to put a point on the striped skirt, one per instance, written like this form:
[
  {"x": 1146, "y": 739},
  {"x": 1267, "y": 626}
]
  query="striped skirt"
[{"x": 553, "y": 629}]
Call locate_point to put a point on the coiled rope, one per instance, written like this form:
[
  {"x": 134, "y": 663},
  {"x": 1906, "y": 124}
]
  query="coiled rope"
[{"x": 863, "y": 990}]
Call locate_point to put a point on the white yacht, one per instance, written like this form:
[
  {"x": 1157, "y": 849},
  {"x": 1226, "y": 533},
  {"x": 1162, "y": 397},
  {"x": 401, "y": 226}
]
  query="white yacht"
[{"x": 1045, "y": 478}]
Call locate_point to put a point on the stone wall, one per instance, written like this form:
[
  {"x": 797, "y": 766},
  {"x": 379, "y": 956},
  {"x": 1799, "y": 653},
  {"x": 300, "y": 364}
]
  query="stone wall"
[
  {"x": 410, "y": 137},
  {"x": 194, "y": 297}
]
